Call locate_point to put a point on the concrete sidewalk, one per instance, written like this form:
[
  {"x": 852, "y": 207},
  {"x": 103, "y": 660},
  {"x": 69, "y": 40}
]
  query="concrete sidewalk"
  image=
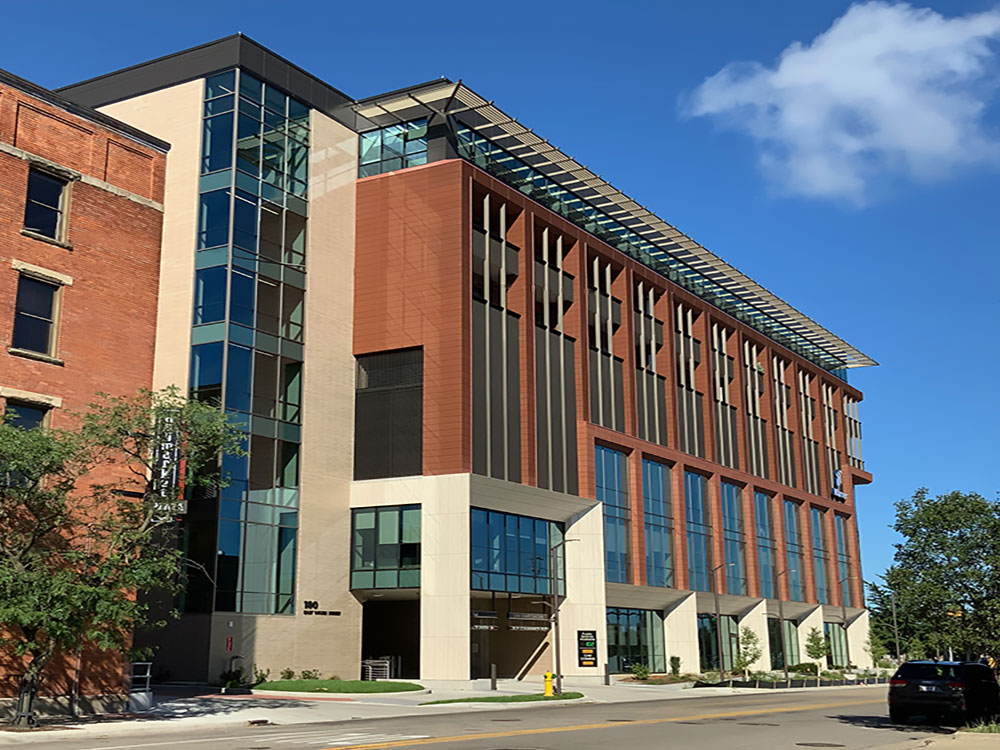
[{"x": 178, "y": 709}]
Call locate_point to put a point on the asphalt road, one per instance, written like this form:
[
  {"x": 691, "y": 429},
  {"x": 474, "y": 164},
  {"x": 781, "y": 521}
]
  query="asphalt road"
[{"x": 852, "y": 719}]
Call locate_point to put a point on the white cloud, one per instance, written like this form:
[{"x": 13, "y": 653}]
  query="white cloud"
[{"x": 888, "y": 90}]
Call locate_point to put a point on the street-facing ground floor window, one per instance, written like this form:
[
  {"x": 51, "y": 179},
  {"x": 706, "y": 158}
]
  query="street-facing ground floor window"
[
  {"x": 635, "y": 636},
  {"x": 708, "y": 641}
]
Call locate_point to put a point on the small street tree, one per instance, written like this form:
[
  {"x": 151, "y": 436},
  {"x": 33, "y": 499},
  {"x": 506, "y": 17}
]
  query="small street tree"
[
  {"x": 86, "y": 518},
  {"x": 749, "y": 651},
  {"x": 817, "y": 647}
]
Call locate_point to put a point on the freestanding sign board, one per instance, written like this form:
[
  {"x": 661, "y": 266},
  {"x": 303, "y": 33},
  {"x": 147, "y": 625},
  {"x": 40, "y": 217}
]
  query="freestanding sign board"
[{"x": 586, "y": 647}]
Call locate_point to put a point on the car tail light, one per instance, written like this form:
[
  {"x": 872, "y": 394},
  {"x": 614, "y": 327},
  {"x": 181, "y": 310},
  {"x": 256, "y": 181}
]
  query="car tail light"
[
  {"x": 897, "y": 682},
  {"x": 957, "y": 685}
]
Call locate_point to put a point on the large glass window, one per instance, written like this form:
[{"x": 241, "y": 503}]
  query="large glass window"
[
  {"x": 794, "y": 556},
  {"x": 820, "y": 554},
  {"x": 612, "y": 491},
  {"x": 840, "y": 525},
  {"x": 659, "y": 526},
  {"x": 836, "y": 639},
  {"x": 635, "y": 636},
  {"x": 734, "y": 540},
  {"x": 708, "y": 641},
  {"x": 386, "y": 547},
  {"x": 699, "y": 531},
  {"x": 777, "y": 645},
  {"x": 35, "y": 315},
  {"x": 766, "y": 545},
  {"x": 513, "y": 553},
  {"x": 394, "y": 147}
]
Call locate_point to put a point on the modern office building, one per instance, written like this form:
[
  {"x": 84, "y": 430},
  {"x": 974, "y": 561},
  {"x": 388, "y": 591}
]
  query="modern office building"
[
  {"x": 81, "y": 210},
  {"x": 470, "y": 372}
]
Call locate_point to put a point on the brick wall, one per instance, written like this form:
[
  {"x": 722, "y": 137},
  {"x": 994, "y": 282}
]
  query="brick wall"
[{"x": 107, "y": 316}]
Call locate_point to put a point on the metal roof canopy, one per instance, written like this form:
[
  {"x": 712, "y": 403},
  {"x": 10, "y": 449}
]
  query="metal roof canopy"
[{"x": 450, "y": 99}]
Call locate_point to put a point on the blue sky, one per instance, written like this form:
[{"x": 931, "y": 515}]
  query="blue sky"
[{"x": 858, "y": 180}]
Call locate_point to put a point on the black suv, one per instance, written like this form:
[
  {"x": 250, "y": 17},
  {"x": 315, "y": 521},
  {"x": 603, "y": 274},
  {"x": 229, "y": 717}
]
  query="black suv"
[{"x": 940, "y": 689}]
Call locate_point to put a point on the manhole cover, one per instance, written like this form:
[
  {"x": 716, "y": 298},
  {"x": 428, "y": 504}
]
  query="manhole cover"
[
  {"x": 757, "y": 724},
  {"x": 691, "y": 722},
  {"x": 818, "y": 744},
  {"x": 619, "y": 719},
  {"x": 504, "y": 719}
]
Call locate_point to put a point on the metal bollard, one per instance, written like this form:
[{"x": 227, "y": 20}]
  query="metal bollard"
[
  {"x": 493, "y": 676},
  {"x": 607, "y": 673}
]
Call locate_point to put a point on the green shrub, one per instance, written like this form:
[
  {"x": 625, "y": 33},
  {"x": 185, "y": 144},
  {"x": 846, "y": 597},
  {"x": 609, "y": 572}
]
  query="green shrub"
[
  {"x": 309, "y": 674},
  {"x": 233, "y": 678},
  {"x": 287, "y": 673},
  {"x": 675, "y": 666},
  {"x": 807, "y": 667},
  {"x": 260, "y": 675},
  {"x": 640, "y": 671}
]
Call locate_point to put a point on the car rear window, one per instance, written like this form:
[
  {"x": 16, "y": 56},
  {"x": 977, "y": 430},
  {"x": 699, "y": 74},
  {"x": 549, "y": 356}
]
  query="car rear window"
[
  {"x": 978, "y": 673},
  {"x": 926, "y": 672}
]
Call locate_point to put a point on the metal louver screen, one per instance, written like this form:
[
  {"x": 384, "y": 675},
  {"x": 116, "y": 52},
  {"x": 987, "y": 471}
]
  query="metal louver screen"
[{"x": 400, "y": 369}]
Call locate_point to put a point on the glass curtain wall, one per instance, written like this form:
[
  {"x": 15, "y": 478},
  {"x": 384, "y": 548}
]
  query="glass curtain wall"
[
  {"x": 512, "y": 553},
  {"x": 386, "y": 547},
  {"x": 766, "y": 545},
  {"x": 840, "y": 525},
  {"x": 699, "y": 531},
  {"x": 734, "y": 540},
  {"x": 635, "y": 636},
  {"x": 794, "y": 557},
  {"x": 659, "y": 524},
  {"x": 247, "y": 336},
  {"x": 821, "y": 557},
  {"x": 612, "y": 491}
]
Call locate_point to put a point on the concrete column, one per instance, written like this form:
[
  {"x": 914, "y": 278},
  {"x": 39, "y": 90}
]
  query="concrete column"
[
  {"x": 584, "y": 606},
  {"x": 857, "y": 640},
  {"x": 681, "y": 628},
  {"x": 756, "y": 619},
  {"x": 812, "y": 620},
  {"x": 444, "y": 579}
]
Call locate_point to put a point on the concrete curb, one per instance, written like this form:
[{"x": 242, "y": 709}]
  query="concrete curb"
[
  {"x": 314, "y": 695},
  {"x": 506, "y": 704}
]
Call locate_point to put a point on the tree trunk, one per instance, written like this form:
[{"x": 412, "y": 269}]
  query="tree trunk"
[{"x": 25, "y": 716}]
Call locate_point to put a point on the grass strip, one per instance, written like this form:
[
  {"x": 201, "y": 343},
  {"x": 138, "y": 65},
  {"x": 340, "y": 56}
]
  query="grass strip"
[
  {"x": 983, "y": 728},
  {"x": 530, "y": 698},
  {"x": 339, "y": 686}
]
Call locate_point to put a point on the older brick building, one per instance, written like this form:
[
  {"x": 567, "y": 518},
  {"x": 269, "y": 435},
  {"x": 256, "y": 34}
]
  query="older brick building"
[
  {"x": 81, "y": 210},
  {"x": 471, "y": 372}
]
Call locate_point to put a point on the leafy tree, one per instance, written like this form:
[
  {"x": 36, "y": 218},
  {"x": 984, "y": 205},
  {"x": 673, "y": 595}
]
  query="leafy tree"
[
  {"x": 86, "y": 522},
  {"x": 749, "y": 651},
  {"x": 817, "y": 647},
  {"x": 945, "y": 578}
]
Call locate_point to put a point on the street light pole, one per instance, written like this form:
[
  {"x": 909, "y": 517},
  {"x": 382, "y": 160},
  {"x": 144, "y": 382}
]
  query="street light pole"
[
  {"x": 843, "y": 617},
  {"x": 781, "y": 620},
  {"x": 553, "y": 568},
  {"x": 718, "y": 619},
  {"x": 895, "y": 624}
]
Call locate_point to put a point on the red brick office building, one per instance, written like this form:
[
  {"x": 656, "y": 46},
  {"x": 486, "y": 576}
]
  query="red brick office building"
[{"x": 81, "y": 211}]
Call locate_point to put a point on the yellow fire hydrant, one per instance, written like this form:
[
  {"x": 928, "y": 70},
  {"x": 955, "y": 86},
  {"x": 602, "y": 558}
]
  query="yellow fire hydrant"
[{"x": 548, "y": 684}]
